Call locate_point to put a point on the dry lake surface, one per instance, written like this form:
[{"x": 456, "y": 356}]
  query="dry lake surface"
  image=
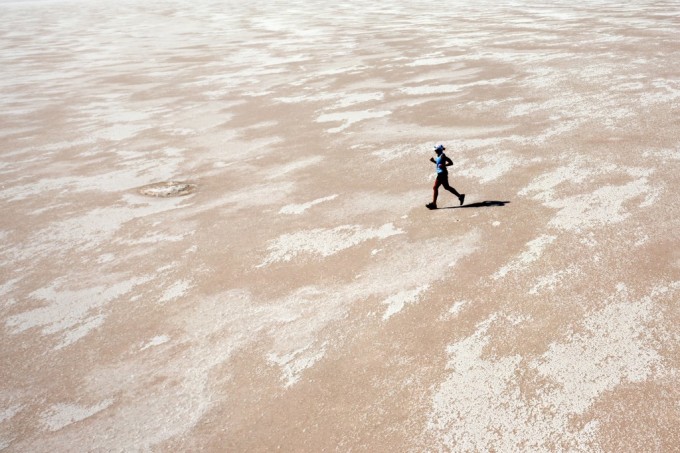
[{"x": 291, "y": 290}]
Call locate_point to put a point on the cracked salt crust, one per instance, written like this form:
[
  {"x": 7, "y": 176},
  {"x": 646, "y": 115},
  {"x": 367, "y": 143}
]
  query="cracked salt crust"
[
  {"x": 611, "y": 350},
  {"x": 480, "y": 406},
  {"x": 324, "y": 242},
  {"x": 602, "y": 207},
  {"x": 300, "y": 208}
]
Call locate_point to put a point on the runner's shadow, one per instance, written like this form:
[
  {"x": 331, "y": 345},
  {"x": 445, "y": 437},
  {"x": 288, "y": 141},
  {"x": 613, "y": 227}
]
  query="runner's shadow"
[{"x": 481, "y": 204}]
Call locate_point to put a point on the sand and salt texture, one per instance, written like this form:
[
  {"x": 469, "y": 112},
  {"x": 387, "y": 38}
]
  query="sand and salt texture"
[{"x": 213, "y": 232}]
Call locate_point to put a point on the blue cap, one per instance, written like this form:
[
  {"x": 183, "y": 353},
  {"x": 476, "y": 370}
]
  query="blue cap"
[{"x": 439, "y": 148}]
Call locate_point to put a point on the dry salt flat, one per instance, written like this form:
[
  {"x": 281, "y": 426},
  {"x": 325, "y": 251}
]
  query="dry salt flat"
[{"x": 213, "y": 233}]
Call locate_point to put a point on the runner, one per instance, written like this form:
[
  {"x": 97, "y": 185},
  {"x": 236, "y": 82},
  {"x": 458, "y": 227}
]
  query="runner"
[{"x": 442, "y": 161}]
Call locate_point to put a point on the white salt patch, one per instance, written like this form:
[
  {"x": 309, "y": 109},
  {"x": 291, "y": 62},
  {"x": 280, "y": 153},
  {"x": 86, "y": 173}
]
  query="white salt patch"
[
  {"x": 106, "y": 258},
  {"x": 293, "y": 166},
  {"x": 480, "y": 406},
  {"x": 534, "y": 252},
  {"x": 300, "y": 208},
  {"x": 222, "y": 164},
  {"x": 431, "y": 89},
  {"x": 622, "y": 288},
  {"x": 457, "y": 307},
  {"x": 8, "y": 413},
  {"x": 653, "y": 194},
  {"x": 552, "y": 280},
  {"x": 602, "y": 207},
  {"x": 664, "y": 93},
  {"x": 302, "y": 316},
  {"x": 555, "y": 131},
  {"x": 181, "y": 131},
  {"x": 432, "y": 61},
  {"x": 543, "y": 188},
  {"x": 641, "y": 240},
  {"x": 155, "y": 341},
  {"x": 75, "y": 334},
  {"x": 121, "y": 116},
  {"x": 8, "y": 286},
  {"x": 69, "y": 310},
  {"x": 62, "y": 415},
  {"x": 610, "y": 351},
  {"x": 212, "y": 332},
  {"x": 449, "y": 88},
  {"x": 324, "y": 242},
  {"x": 221, "y": 325},
  {"x": 493, "y": 166},
  {"x": 263, "y": 125},
  {"x": 349, "y": 118},
  {"x": 523, "y": 109},
  {"x": 255, "y": 94},
  {"x": 357, "y": 98},
  {"x": 156, "y": 238},
  {"x": 496, "y": 223},
  {"x": 399, "y": 151},
  {"x": 308, "y": 98},
  {"x": 119, "y": 131},
  {"x": 91, "y": 228},
  {"x": 176, "y": 290},
  {"x": 396, "y": 302},
  {"x": 293, "y": 364},
  {"x": 663, "y": 154}
]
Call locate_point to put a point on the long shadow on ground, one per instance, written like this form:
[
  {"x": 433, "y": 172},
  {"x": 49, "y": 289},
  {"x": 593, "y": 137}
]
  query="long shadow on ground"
[{"x": 481, "y": 204}]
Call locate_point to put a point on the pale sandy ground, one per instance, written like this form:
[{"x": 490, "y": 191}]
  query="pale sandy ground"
[{"x": 302, "y": 297}]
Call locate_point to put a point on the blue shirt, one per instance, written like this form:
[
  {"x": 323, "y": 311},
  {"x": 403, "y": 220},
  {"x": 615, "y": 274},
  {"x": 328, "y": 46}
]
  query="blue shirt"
[{"x": 440, "y": 162}]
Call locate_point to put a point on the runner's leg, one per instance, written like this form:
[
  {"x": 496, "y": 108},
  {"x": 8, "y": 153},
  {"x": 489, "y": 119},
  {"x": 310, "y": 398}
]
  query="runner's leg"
[
  {"x": 446, "y": 185},
  {"x": 435, "y": 190}
]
